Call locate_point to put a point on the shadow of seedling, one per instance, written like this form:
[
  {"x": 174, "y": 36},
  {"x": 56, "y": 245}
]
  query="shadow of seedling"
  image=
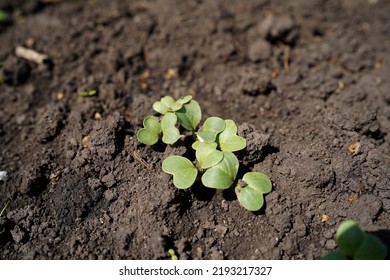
[
  {"x": 215, "y": 165},
  {"x": 355, "y": 244}
]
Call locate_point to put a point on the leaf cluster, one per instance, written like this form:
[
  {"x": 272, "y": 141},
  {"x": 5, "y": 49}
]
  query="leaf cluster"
[
  {"x": 215, "y": 143},
  {"x": 353, "y": 243},
  {"x": 185, "y": 112}
]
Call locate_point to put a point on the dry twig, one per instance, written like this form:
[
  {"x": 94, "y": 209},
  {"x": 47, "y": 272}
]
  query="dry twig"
[
  {"x": 30, "y": 55},
  {"x": 141, "y": 160}
]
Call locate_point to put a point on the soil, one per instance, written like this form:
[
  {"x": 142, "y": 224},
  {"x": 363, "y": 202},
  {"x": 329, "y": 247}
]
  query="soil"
[{"x": 307, "y": 81}]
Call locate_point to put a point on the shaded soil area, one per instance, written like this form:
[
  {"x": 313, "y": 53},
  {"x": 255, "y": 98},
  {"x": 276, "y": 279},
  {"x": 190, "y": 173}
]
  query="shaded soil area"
[{"x": 307, "y": 81}]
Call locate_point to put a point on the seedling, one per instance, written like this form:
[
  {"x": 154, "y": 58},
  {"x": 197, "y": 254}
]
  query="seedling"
[
  {"x": 3, "y": 16},
  {"x": 172, "y": 254},
  {"x": 185, "y": 112},
  {"x": 250, "y": 191},
  {"x": 353, "y": 243},
  {"x": 88, "y": 93},
  {"x": 215, "y": 143},
  {"x": 183, "y": 171},
  {"x": 151, "y": 132}
]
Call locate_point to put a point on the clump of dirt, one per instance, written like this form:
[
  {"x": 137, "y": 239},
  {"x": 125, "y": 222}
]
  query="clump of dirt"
[{"x": 307, "y": 82}]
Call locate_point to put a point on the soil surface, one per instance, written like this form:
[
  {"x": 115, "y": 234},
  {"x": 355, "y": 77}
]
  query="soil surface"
[{"x": 307, "y": 81}]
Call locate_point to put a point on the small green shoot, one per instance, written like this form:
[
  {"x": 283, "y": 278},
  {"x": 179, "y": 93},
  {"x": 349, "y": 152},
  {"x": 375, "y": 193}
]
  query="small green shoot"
[
  {"x": 353, "y": 243},
  {"x": 170, "y": 133},
  {"x": 3, "y": 16},
  {"x": 189, "y": 115},
  {"x": 211, "y": 127},
  {"x": 168, "y": 104},
  {"x": 172, "y": 254},
  {"x": 151, "y": 132},
  {"x": 88, "y": 93},
  {"x": 214, "y": 146},
  {"x": 208, "y": 155},
  {"x": 228, "y": 140},
  {"x": 224, "y": 133},
  {"x": 250, "y": 192},
  {"x": 222, "y": 175},
  {"x": 183, "y": 171}
]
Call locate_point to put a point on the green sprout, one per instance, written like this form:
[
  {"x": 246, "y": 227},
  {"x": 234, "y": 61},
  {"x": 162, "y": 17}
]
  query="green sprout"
[
  {"x": 151, "y": 132},
  {"x": 172, "y": 254},
  {"x": 353, "y": 243},
  {"x": 170, "y": 133},
  {"x": 222, "y": 175},
  {"x": 250, "y": 191},
  {"x": 168, "y": 104},
  {"x": 208, "y": 155},
  {"x": 215, "y": 163},
  {"x": 89, "y": 93},
  {"x": 183, "y": 171},
  {"x": 222, "y": 132},
  {"x": 184, "y": 112},
  {"x": 3, "y": 16}
]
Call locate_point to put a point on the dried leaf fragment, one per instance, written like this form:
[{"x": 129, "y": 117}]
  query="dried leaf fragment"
[
  {"x": 354, "y": 148},
  {"x": 85, "y": 140},
  {"x": 352, "y": 198}
]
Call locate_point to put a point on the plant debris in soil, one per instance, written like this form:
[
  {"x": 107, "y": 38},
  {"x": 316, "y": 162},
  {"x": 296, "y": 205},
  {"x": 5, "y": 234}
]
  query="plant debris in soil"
[{"x": 307, "y": 82}]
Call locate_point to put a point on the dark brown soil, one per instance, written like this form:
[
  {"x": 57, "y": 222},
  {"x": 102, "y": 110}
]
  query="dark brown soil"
[{"x": 306, "y": 79}]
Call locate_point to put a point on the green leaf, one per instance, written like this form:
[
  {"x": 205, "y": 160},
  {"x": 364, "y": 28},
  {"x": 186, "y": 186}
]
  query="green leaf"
[
  {"x": 258, "y": 181},
  {"x": 151, "y": 132},
  {"x": 229, "y": 140},
  {"x": 372, "y": 248},
  {"x": 349, "y": 237},
  {"x": 222, "y": 175},
  {"x": 251, "y": 195},
  {"x": 3, "y": 16},
  {"x": 184, "y": 99},
  {"x": 168, "y": 104},
  {"x": 195, "y": 145},
  {"x": 189, "y": 115},
  {"x": 88, "y": 93},
  {"x": 170, "y": 133},
  {"x": 206, "y": 136},
  {"x": 334, "y": 256},
  {"x": 208, "y": 155},
  {"x": 183, "y": 171},
  {"x": 211, "y": 127},
  {"x": 164, "y": 105},
  {"x": 214, "y": 124}
]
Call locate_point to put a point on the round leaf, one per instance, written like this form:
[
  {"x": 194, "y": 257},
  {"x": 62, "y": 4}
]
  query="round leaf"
[
  {"x": 183, "y": 171},
  {"x": 229, "y": 140},
  {"x": 222, "y": 175},
  {"x": 176, "y": 106},
  {"x": 258, "y": 181},
  {"x": 250, "y": 198},
  {"x": 195, "y": 145},
  {"x": 251, "y": 195},
  {"x": 206, "y": 136},
  {"x": 180, "y": 102},
  {"x": 151, "y": 132},
  {"x": 170, "y": 133},
  {"x": 214, "y": 124},
  {"x": 349, "y": 236},
  {"x": 189, "y": 115},
  {"x": 164, "y": 105},
  {"x": 371, "y": 248},
  {"x": 184, "y": 99},
  {"x": 208, "y": 155}
]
